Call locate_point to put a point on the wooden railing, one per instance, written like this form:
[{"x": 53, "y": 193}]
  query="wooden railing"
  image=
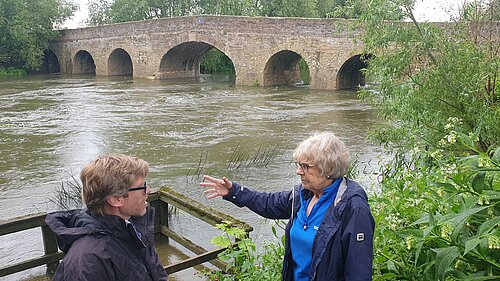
[
  {"x": 161, "y": 201},
  {"x": 52, "y": 255}
]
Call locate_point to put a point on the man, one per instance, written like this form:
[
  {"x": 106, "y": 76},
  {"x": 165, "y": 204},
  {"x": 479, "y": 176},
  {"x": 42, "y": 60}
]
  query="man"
[{"x": 113, "y": 238}]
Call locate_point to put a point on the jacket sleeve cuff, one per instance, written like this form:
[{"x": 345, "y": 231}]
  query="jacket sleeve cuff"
[{"x": 234, "y": 193}]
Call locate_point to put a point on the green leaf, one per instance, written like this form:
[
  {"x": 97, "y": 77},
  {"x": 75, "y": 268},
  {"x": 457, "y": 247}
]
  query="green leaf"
[
  {"x": 391, "y": 266},
  {"x": 448, "y": 187},
  {"x": 496, "y": 156},
  {"x": 488, "y": 225},
  {"x": 236, "y": 232},
  {"x": 471, "y": 244},
  {"x": 221, "y": 241},
  {"x": 444, "y": 259},
  {"x": 478, "y": 182},
  {"x": 460, "y": 218},
  {"x": 493, "y": 195}
]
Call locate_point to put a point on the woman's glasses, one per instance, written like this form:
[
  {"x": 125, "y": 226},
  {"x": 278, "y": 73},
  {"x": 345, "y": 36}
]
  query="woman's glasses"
[{"x": 304, "y": 166}]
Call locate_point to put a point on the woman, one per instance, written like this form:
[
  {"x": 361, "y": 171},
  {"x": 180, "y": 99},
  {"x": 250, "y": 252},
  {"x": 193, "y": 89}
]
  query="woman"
[{"x": 329, "y": 235}]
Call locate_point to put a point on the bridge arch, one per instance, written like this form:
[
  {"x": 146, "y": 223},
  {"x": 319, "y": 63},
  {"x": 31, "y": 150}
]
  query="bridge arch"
[
  {"x": 350, "y": 75},
  {"x": 120, "y": 63},
  {"x": 50, "y": 62},
  {"x": 282, "y": 69},
  {"x": 83, "y": 63},
  {"x": 183, "y": 60}
]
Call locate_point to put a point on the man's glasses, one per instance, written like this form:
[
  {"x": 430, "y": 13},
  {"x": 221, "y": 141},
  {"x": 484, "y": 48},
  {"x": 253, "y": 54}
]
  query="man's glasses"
[
  {"x": 304, "y": 166},
  {"x": 140, "y": 187}
]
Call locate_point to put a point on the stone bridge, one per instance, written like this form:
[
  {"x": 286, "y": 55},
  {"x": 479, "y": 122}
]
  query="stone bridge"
[{"x": 264, "y": 51}]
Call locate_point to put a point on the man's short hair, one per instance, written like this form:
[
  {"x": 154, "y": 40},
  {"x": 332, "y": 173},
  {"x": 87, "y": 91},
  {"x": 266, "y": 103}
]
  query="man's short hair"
[{"x": 107, "y": 176}]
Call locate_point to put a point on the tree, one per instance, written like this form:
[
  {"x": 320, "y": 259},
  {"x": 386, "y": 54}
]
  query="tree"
[
  {"x": 26, "y": 27},
  {"x": 99, "y": 13},
  {"x": 481, "y": 10},
  {"x": 427, "y": 78},
  {"x": 437, "y": 95},
  {"x": 114, "y": 11},
  {"x": 347, "y": 9},
  {"x": 107, "y": 11}
]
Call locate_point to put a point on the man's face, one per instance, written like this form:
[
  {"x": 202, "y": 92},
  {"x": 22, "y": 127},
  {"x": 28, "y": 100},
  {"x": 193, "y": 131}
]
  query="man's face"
[{"x": 135, "y": 203}]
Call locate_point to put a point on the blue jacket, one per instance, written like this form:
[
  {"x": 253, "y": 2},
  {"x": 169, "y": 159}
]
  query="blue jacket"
[
  {"x": 105, "y": 248},
  {"x": 343, "y": 246}
]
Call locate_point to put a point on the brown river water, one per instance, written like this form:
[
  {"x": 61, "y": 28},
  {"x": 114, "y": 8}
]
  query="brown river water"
[{"x": 51, "y": 125}]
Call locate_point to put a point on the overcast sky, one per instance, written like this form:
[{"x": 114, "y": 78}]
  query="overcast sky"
[{"x": 425, "y": 10}]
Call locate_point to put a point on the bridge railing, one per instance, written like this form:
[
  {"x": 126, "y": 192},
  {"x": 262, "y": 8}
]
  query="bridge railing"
[{"x": 161, "y": 200}]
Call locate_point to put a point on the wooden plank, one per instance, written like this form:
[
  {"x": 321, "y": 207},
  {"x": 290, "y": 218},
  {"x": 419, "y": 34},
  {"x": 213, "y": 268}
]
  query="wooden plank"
[
  {"x": 50, "y": 247},
  {"x": 199, "y": 210},
  {"x": 153, "y": 196},
  {"x": 194, "y": 261},
  {"x": 45, "y": 259},
  {"x": 190, "y": 245},
  {"x": 22, "y": 223}
]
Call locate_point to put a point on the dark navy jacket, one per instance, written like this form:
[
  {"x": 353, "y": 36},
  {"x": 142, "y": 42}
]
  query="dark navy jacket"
[
  {"x": 105, "y": 248},
  {"x": 343, "y": 245}
]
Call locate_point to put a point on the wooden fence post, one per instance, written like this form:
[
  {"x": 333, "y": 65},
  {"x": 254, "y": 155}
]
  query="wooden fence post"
[{"x": 50, "y": 247}]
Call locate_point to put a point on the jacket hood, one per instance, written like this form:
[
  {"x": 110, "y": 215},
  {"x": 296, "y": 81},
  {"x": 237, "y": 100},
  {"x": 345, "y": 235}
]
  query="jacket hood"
[{"x": 71, "y": 225}]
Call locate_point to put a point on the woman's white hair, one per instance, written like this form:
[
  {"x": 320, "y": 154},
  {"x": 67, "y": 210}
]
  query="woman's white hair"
[{"x": 325, "y": 151}]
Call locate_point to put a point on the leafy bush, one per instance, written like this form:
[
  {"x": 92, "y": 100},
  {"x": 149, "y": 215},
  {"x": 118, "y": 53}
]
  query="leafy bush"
[
  {"x": 243, "y": 260},
  {"x": 438, "y": 97},
  {"x": 215, "y": 61},
  {"x": 11, "y": 71},
  {"x": 440, "y": 223}
]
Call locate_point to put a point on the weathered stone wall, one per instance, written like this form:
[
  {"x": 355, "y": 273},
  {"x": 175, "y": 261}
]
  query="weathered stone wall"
[{"x": 250, "y": 42}]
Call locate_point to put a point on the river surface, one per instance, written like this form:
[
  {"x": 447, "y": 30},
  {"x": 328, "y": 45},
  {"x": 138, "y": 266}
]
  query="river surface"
[{"x": 51, "y": 125}]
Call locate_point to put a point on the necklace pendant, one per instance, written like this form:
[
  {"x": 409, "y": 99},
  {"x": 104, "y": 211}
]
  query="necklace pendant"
[{"x": 305, "y": 226}]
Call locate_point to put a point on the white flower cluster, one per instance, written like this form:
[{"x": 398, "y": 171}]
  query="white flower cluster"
[
  {"x": 484, "y": 161},
  {"x": 446, "y": 230},
  {"x": 484, "y": 199},
  {"x": 452, "y": 122},
  {"x": 493, "y": 242},
  {"x": 450, "y": 169},
  {"x": 394, "y": 221},
  {"x": 410, "y": 242},
  {"x": 451, "y": 137},
  {"x": 437, "y": 154}
]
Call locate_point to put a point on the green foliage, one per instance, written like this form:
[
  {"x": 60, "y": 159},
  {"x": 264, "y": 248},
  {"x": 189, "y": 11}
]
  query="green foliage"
[
  {"x": 243, "y": 260},
  {"x": 11, "y": 71},
  {"x": 440, "y": 223},
  {"x": 482, "y": 10},
  {"x": 426, "y": 79},
  {"x": 26, "y": 27},
  {"x": 227, "y": 7},
  {"x": 215, "y": 61},
  {"x": 99, "y": 13},
  {"x": 304, "y": 71},
  {"x": 349, "y": 9},
  {"x": 106, "y": 11},
  {"x": 437, "y": 94}
]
